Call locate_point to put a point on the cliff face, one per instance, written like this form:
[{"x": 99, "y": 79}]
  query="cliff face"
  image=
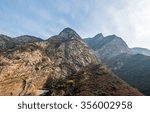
[{"x": 37, "y": 66}]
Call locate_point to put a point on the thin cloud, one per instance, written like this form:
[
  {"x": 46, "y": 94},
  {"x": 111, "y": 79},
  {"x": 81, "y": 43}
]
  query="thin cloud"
[{"x": 127, "y": 19}]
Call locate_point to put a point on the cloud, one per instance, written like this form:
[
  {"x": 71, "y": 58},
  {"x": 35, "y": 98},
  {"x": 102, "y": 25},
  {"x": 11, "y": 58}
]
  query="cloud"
[
  {"x": 133, "y": 22},
  {"x": 127, "y": 19},
  {"x": 32, "y": 19}
]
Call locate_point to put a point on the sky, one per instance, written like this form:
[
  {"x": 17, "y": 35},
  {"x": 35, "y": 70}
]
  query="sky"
[{"x": 128, "y": 19}]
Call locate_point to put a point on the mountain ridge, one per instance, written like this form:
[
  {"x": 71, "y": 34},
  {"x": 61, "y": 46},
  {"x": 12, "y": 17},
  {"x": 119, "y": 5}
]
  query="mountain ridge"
[
  {"x": 129, "y": 64},
  {"x": 108, "y": 47},
  {"x": 28, "y": 69}
]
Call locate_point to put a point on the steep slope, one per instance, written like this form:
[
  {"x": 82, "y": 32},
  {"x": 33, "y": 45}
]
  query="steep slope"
[
  {"x": 134, "y": 69},
  {"x": 69, "y": 52},
  {"x": 89, "y": 81},
  {"x": 138, "y": 50}
]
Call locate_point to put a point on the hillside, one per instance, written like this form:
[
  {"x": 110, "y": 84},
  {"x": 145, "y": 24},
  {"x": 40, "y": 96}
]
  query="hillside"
[
  {"x": 92, "y": 80},
  {"x": 133, "y": 69}
]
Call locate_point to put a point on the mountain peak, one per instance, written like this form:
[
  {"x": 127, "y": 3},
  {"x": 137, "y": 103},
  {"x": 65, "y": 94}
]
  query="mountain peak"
[
  {"x": 100, "y": 35},
  {"x": 68, "y": 33},
  {"x": 68, "y": 29},
  {"x": 113, "y": 36}
]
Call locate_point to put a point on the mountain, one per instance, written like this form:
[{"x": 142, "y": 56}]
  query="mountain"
[
  {"x": 143, "y": 51},
  {"x": 29, "y": 65},
  {"x": 133, "y": 69},
  {"x": 55, "y": 66},
  {"x": 93, "y": 42},
  {"x": 92, "y": 80},
  {"x": 26, "y": 39},
  {"x": 6, "y": 42},
  {"x": 108, "y": 47},
  {"x": 129, "y": 64}
]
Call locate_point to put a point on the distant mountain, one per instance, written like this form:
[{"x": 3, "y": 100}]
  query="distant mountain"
[
  {"x": 143, "y": 51},
  {"x": 93, "y": 42},
  {"x": 26, "y": 39},
  {"x": 108, "y": 47},
  {"x": 60, "y": 65},
  {"x": 6, "y": 42},
  {"x": 128, "y": 64}
]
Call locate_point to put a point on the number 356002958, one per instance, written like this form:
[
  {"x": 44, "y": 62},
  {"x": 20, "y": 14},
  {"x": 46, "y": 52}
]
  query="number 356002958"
[{"x": 106, "y": 105}]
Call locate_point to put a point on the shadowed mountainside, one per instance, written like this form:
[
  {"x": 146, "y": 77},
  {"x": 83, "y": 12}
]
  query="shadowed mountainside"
[{"x": 129, "y": 64}]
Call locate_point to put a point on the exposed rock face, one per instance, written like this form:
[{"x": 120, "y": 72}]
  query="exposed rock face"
[
  {"x": 69, "y": 53},
  {"x": 68, "y": 33},
  {"x": 33, "y": 67}
]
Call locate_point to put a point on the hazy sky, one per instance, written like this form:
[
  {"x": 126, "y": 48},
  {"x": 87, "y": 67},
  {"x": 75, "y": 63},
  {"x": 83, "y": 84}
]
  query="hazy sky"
[{"x": 129, "y": 19}]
